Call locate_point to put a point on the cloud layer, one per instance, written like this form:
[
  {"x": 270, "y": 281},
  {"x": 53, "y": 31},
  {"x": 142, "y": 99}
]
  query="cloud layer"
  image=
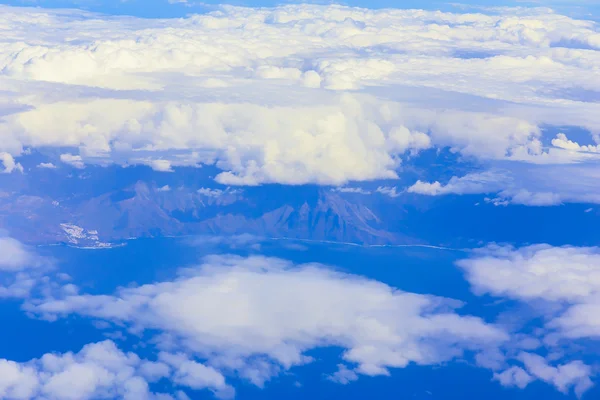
[
  {"x": 293, "y": 94},
  {"x": 102, "y": 371},
  {"x": 568, "y": 276},
  {"x": 562, "y": 285}
]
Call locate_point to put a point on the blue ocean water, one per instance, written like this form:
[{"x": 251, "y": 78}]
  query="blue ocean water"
[{"x": 419, "y": 270}]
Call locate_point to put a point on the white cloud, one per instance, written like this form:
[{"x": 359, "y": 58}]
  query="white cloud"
[
  {"x": 561, "y": 141},
  {"x": 22, "y": 270},
  {"x": 564, "y": 276},
  {"x": 514, "y": 376},
  {"x": 563, "y": 285},
  {"x": 14, "y": 256},
  {"x": 361, "y": 88},
  {"x": 9, "y": 163},
  {"x": 216, "y": 193},
  {"x": 73, "y": 160},
  {"x": 161, "y": 165},
  {"x": 388, "y": 191},
  {"x": 574, "y": 375},
  {"x": 356, "y": 190},
  {"x": 524, "y": 184},
  {"x": 195, "y": 375},
  {"x": 343, "y": 375},
  {"x": 165, "y": 188},
  {"x": 480, "y": 182},
  {"x": 538, "y": 271},
  {"x": 99, "y": 370},
  {"x": 210, "y": 192},
  {"x": 46, "y": 165},
  {"x": 223, "y": 311}
]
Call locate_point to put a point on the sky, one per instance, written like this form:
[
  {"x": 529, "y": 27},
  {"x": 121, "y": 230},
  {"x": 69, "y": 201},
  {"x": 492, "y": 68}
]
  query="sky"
[
  {"x": 178, "y": 8},
  {"x": 283, "y": 200}
]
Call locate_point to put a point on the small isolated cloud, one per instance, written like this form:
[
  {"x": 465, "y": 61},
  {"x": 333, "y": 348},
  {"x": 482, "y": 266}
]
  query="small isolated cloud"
[
  {"x": 215, "y": 193},
  {"x": 165, "y": 188},
  {"x": 343, "y": 375},
  {"x": 223, "y": 311},
  {"x": 9, "y": 164},
  {"x": 356, "y": 190},
  {"x": 160, "y": 165},
  {"x": 561, "y": 141},
  {"x": 208, "y": 192},
  {"x": 388, "y": 191},
  {"x": 46, "y": 166},
  {"x": 73, "y": 160},
  {"x": 481, "y": 182}
]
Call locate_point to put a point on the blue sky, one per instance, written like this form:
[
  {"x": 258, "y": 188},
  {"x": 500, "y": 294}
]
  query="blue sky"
[
  {"x": 200, "y": 201},
  {"x": 166, "y": 9}
]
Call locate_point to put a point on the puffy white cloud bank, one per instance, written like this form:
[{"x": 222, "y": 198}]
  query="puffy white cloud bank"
[
  {"x": 574, "y": 375},
  {"x": 103, "y": 371},
  {"x": 257, "y": 316},
  {"x": 562, "y": 284},
  {"x": 295, "y": 94},
  {"x": 569, "y": 276}
]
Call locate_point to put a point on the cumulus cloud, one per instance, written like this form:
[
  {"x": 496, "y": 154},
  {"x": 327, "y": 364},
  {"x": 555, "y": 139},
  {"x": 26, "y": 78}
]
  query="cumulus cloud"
[
  {"x": 22, "y": 270},
  {"x": 388, "y": 191},
  {"x": 161, "y": 165},
  {"x": 574, "y": 375},
  {"x": 514, "y": 376},
  {"x": 343, "y": 375},
  {"x": 223, "y": 311},
  {"x": 363, "y": 88},
  {"x": 73, "y": 160},
  {"x": 14, "y": 256},
  {"x": 561, "y": 141},
  {"x": 564, "y": 276},
  {"x": 46, "y": 165},
  {"x": 481, "y": 182},
  {"x": 538, "y": 271},
  {"x": 356, "y": 190},
  {"x": 102, "y": 370},
  {"x": 563, "y": 284},
  {"x": 9, "y": 163}
]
